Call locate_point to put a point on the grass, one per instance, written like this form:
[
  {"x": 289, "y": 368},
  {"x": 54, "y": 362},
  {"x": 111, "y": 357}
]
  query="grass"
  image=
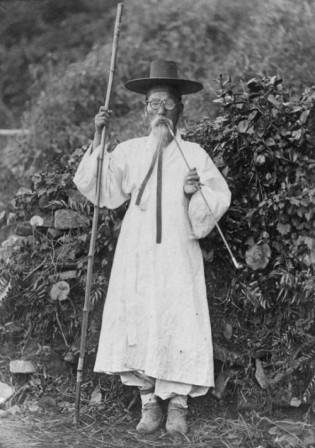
[{"x": 111, "y": 425}]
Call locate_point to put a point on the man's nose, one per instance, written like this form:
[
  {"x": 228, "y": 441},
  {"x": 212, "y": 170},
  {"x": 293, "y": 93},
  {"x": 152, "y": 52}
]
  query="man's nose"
[{"x": 162, "y": 109}]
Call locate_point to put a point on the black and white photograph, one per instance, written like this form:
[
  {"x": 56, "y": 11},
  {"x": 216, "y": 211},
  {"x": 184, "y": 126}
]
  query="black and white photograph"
[{"x": 157, "y": 224}]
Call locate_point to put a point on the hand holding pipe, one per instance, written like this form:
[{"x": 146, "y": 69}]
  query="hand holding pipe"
[{"x": 236, "y": 264}]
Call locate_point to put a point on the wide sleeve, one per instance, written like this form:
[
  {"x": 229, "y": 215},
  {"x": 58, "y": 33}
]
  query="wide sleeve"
[
  {"x": 114, "y": 172},
  {"x": 206, "y": 207}
]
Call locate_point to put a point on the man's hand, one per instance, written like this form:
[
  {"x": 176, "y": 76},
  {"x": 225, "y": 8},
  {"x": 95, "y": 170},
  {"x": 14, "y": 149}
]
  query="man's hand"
[
  {"x": 102, "y": 119},
  {"x": 191, "y": 182}
]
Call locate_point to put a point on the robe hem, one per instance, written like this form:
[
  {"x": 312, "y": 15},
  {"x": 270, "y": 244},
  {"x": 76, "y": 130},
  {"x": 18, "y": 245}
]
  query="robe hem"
[{"x": 153, "y": 374}]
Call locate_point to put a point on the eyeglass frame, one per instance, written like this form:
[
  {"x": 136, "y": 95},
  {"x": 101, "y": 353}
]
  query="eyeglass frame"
[{"x": 162, "y": 102}]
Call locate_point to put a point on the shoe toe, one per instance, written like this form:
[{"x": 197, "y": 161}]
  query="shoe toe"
[
  {"x": 151, "y": 420},
  {"x": 176, "y": 420}
]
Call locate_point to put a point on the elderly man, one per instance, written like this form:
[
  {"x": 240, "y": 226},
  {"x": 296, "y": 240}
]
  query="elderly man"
[{"x": 156, "y": 330}]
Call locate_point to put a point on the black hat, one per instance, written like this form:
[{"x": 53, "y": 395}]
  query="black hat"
[{"x": 163, "y": 72}]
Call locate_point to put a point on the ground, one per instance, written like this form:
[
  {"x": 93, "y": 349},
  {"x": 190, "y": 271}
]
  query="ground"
[{"x": 45, "y": 421}]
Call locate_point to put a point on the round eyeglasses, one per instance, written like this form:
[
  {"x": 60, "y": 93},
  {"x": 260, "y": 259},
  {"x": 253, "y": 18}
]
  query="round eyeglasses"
[{"x": 167, "y": 103}]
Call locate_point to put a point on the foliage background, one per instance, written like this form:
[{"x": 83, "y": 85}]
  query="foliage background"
[
  {"x": 54, "y": 57},
  {"x": 59, "y": 53}
]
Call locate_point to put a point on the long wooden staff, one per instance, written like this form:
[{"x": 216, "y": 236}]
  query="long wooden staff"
[{"x": 100, "y": 158}]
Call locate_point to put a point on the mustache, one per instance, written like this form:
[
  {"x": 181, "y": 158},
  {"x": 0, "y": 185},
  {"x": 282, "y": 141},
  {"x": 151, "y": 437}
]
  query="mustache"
[{"x": 162, "y": 121}]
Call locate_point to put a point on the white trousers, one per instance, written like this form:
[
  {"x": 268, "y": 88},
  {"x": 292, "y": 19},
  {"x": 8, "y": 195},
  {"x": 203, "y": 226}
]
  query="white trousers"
[{"x": 163, "y": 389}]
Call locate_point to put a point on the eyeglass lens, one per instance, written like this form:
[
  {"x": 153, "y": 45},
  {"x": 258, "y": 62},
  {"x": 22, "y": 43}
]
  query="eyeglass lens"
[{"x": 156, "y": 104}]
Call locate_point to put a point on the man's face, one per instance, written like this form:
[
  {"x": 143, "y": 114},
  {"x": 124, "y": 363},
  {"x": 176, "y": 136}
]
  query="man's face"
[{"x": 155, "y": 114}]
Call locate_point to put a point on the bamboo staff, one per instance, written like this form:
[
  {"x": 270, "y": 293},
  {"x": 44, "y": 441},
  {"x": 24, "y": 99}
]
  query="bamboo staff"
[
  {"x": 100, "y": 158},
  {"x": 204, "y": 198}
]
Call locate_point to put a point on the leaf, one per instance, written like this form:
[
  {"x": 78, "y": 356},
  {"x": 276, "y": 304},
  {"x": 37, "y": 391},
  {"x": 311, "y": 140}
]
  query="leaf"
[
  {"x": 227, "y": 331},
  {"x": 270, "y": 142},
  {"x": 283, "y": 229},
  {"x": 295, "y": 402},
  {"x": 273, "y": 100},
  {"x": 260, "y": 375},
  {"x": 296, "y": 135},
  {"x": 60, "y": 291},
  {"x": 257, "y": 257},
  {"x": 304, "y": 116},
  {"x": 24, "y": 192},
  {"x": 243, "y": 126}
]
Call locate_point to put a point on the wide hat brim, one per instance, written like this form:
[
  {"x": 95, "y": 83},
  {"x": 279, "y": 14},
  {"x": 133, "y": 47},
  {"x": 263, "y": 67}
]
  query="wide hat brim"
[
  {"x": 163, "y": 73},
  {"x": 143, "y": 85}
]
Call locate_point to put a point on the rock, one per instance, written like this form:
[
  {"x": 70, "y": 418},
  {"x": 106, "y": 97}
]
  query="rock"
[
  {"x": 3, "y": 414},
  {"x": 46, "y": 403},
  {"x": 96, "y": 397},
  {"x": 24, "y": 229},
  {"x": 6, "y": 392},
  {"x": 67, "y": 275},
  {"x": 13, "y": 410},
  {"x": 54, "y": 233},
  {"x": 71, "y": 358},
  {"x": 68, "y": 219},
  {"x": 33, "y": 408},
  {"x": 22, "y": 366}
]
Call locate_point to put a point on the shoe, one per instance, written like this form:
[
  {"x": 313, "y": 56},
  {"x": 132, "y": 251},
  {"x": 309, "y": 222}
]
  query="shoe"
[
  {"x": 176, "y": 418},
  {"x": 151, "y": 420}
]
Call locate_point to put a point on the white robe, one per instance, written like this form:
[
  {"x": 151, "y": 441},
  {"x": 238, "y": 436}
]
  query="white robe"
[{"x": 156, "y": 316}]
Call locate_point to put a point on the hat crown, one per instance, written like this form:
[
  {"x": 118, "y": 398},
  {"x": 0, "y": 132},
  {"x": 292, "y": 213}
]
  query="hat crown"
[{"x": 161, "y": 68}]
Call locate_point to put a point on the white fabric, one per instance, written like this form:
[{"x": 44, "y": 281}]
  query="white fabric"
[
  {"x": 203, "y": 207},
  {"x": 162, "y": 389},
  {"x": 156, "y": 316},
  {"x": 148, "y": 398},
  {"x": 180, "y": 400}
]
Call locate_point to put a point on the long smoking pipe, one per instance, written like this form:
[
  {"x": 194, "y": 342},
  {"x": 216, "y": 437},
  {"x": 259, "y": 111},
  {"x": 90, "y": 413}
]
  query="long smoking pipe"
[{"x": 236, "y": 264}]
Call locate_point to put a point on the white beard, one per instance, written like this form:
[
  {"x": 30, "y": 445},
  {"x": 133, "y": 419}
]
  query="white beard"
[{"x": 160, "y": 133}]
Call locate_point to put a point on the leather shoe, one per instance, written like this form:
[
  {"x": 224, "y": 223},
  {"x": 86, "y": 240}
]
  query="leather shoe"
[
  {"x": 176, "y": 418},
  {"x": 151, "y": 420}
]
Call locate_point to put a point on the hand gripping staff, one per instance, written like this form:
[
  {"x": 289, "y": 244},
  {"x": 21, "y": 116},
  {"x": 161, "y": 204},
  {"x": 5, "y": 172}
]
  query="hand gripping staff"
[
  {"x": 207, "y": 204},
  {"x": 86, "y": 308}
]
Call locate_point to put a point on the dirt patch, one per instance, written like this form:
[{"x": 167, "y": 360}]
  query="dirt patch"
[{"x": 211, "y": 424}]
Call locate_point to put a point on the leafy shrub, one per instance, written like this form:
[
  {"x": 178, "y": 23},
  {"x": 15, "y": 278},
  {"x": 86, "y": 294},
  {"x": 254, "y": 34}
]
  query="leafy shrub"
[
  {"x": 46, "y": 259},
  {"x": 264, "y": 143}
]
